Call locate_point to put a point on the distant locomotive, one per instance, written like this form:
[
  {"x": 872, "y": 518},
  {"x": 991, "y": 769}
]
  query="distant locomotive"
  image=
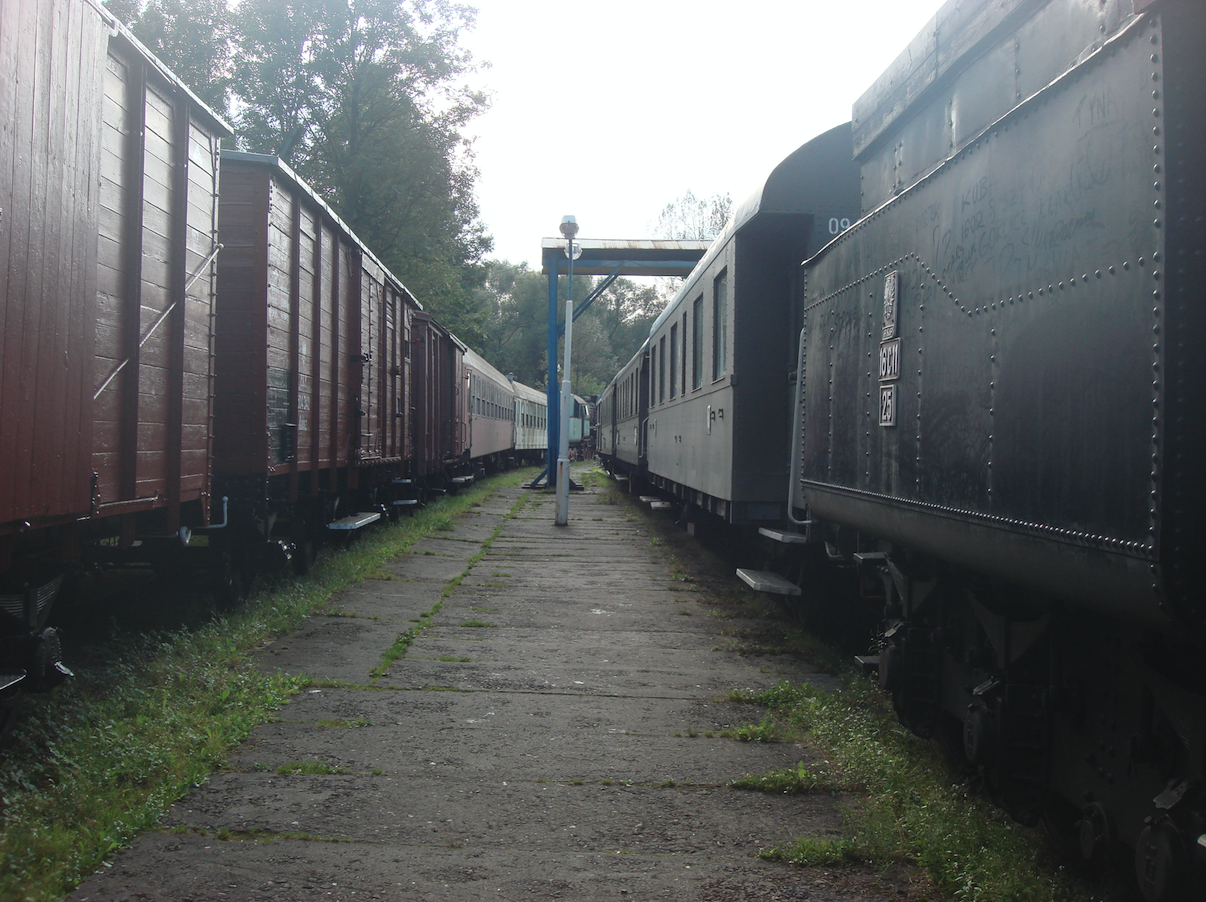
[
  {"x": 195, "y": 344},
  {"x": 992, "y": 406}
]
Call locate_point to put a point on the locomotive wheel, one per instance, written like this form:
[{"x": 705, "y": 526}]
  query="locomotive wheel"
[{"x": 1160, "y": 862}]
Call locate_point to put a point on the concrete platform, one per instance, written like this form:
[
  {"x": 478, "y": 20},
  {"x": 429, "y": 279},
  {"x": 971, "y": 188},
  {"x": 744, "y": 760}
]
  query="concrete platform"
[{"x": 555, "y": 733}]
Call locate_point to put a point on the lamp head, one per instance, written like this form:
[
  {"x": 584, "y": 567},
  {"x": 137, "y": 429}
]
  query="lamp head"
[{"x": 569, "y": 227}]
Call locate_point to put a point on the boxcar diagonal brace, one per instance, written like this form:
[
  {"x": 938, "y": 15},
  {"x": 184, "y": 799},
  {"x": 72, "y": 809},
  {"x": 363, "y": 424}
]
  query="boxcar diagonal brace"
[{"x": 161, "y": 319}]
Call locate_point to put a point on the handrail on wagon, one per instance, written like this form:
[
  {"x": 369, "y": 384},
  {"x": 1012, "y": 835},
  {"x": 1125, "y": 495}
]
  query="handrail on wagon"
[{"x": 192, "y": 280}]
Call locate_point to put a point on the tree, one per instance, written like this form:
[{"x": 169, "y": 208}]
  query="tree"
[
  {"x": 690, "y": 218},
  {"x": 627, "y": 310},
  {"x": 363, "y": 99},
  {"x": 193, "y": 37}
]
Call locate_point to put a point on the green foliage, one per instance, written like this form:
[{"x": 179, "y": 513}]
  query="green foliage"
[
  {"x": 791, "y": 781},
  {"x": 909, "y": 807},
  {"x": 606, "y": 335},
  {"x": 364, "y": 99},
  {"x": 194, "y": 38},
  {"x": 320, "y": 768},
  {"x": 761, "y": 732}
]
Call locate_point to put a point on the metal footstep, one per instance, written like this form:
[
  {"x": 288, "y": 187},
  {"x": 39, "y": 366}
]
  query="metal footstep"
[
  {"x": 355, "y": 521},
  {"x": 868, "y": 664},
  {"x": 787, "y": 538},
  {"x": 766, "y": 581}
]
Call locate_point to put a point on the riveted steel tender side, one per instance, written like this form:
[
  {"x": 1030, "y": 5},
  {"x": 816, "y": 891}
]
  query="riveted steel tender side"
[{"x": 998, "y": 410}]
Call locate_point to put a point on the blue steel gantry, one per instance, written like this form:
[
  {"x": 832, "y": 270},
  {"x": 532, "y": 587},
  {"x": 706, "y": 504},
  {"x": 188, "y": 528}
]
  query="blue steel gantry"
[{"x": 610, "y": 258}]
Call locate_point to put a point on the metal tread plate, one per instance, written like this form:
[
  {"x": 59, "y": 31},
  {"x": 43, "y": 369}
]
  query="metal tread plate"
[
  {"x": 355, "y": 521},
  {"x": 766, "y": 581}
]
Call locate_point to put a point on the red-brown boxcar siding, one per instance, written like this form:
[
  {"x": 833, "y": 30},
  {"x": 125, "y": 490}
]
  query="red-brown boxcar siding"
[
  {"x": 196, "y": 384},
  {"x": 392, "y": 374},
  {"x": 277, "y": 338},
  {"x": 154, "y": 358},
  {"x": 158, "y": 217},
  {"x": 239, "y": 440},
  {"x": 323, "y": 359},
  {"x": 345, "y": 340},
  {"x": 367, "y": 415},
  {"x": 49, "y": 140},
  {"x": 385, "y": 383},
  {"x": 422, "y": 342},
  {"x": 332, "y": 370},
  {"x": 301, "y": 329}
]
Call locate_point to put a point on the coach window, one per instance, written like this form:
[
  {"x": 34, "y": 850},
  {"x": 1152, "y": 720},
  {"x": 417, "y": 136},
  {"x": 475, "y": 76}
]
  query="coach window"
[
  {"x": 697, "y": 343},
  {"x": 661, "y": 374},
  {"x": 653, "y": 373},
  {"x": 720, "y": 324},
  {"x": 674, "y": 361},
  {"x": 684, "y": 370}
]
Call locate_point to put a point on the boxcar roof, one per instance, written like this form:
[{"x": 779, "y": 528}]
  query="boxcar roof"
[
  {"x": 527, "y": 393},
  {"x": 126, "y": 37},
  {"x": 479, "y": 363},
  {"x": 282, "y": 170}
]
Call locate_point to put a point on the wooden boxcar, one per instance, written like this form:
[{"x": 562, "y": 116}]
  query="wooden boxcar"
[
  {"x": 108, "y": 221},
  {"x": 438, "y": 406},
  {"x": 312, "y": 364}
]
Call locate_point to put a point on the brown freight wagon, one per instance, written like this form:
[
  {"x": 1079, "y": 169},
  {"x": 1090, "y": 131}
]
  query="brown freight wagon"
[
  {"x": 108, "y": 221},
  {"x": 313, "y": 371},
  {"x": 440, "y": 405}
]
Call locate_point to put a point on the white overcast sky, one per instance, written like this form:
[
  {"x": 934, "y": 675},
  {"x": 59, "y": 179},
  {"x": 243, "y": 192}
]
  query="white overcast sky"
[{"x": 610, "y": 110}]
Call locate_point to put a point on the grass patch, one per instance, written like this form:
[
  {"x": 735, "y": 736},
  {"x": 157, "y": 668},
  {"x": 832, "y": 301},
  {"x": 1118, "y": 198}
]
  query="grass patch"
[
  {"x": 910, "y": 807},
  {"x": 472, "y": 497},
  {"x": 99, "y": 760},
  {"x": 320, "y": 768},
  {"x": 761, "y": 732},
  {"x": 479, "y": 623},
  {"x": 796, "y": 780}
]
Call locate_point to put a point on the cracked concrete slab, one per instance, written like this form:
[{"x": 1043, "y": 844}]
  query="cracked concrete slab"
[{"x": 553, "y": 732}]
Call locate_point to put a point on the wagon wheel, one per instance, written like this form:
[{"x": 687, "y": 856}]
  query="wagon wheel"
[
  {"x": 232, "y": 578},
  {"x": 305, "y": 544},
  {"x": 8, "y": 715}
]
